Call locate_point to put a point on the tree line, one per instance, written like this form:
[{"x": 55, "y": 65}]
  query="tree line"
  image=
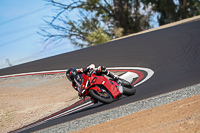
[{"x": 99, "y": 21}]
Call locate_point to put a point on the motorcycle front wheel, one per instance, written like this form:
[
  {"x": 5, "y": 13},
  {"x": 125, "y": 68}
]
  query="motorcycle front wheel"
[{"x": 103, "y": 97}]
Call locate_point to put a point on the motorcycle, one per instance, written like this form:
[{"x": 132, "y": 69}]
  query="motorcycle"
[{"x": 101, "y": 88}]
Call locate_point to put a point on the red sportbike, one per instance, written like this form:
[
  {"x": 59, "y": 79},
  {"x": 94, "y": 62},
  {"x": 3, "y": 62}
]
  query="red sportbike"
[{"x": 102, "y": 89}]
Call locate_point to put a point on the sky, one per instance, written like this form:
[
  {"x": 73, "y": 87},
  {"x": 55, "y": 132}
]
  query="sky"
[
  {"x": 20, "y": 21},
  {"x": 19, "y": 41}
]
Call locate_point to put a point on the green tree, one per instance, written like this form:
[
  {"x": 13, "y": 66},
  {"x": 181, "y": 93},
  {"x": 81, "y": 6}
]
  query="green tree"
[
  {"x": 174, "y": 10},
  {"x": 99, "y": 21},
  {"x": 98, "y": 37}
]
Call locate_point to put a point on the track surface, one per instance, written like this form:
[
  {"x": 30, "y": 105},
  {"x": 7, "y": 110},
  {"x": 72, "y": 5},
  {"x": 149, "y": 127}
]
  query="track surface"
[{"x": 172, "y": 53}]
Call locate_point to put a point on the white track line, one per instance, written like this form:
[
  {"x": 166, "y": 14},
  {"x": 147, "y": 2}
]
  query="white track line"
[
  {"x": 57, "y": 116},
  {"x": 129, "y": 76},
  {"x": 149, "y": 72},
  {"x": 33, "y": 73},
  {"x": 82, "y": 106}
]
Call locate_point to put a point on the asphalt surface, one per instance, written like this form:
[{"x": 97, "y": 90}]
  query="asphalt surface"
[{"x": 172, "y": 53}]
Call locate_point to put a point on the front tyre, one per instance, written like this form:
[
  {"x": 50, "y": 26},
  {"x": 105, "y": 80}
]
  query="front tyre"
[{"x": 103, "y": 97}]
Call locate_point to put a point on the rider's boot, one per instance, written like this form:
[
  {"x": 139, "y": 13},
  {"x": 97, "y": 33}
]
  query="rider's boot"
[
  {"x": 121, "y": 82},
  {"x": 110, "y": 74},
  {"x": 126, "y": 84}
]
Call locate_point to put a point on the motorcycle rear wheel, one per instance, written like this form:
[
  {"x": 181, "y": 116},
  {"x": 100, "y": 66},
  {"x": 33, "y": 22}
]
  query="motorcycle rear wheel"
[
  {"x": 128, "y": 89},
  {"x": 104, "y": 98}
]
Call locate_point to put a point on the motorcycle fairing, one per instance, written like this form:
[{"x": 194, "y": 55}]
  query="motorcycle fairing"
[{"x": 100, "y": 80}]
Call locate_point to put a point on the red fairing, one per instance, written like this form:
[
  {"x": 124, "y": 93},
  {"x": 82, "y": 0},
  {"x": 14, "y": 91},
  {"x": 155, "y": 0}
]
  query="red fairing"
[
  {"x": 84, "y": 78},
  {"x": 110, "y": 85},
  {"x": 113, "y": 88},
  {"x": 96, "y": 88},
  {"x": 100, "y": 88}
]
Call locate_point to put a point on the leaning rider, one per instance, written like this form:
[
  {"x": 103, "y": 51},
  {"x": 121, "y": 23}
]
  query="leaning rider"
[{"x": 72, "y": 72}]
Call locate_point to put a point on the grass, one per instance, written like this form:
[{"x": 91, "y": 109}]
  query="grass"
[{"x": 6, "y": 117}]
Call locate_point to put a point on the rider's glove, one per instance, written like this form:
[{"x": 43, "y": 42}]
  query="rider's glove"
[
  {"x": 90, "y": 72},
  {"x": 101, "y": 69},
  {"x": 92, "y": 66}
]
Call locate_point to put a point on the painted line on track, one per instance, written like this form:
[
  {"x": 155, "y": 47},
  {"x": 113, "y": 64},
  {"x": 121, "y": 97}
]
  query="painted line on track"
[
  {"x": 136, "y": 70},
  {"x": 54, "y": 117},
  {"x": 130, "y": 69},
  {"x": 34, "y": 73}
]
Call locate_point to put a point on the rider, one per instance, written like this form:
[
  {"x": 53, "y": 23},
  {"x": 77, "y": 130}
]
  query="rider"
[{"x": 72, "y": 72}]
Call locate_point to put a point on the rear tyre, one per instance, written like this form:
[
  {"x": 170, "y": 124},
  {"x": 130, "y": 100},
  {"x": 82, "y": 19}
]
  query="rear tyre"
[
  {"x": 104, "y": 97},
  {"x": 129, "y": 91},
  {"x": 128, "y": 88}
]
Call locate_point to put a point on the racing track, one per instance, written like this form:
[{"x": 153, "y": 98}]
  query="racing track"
[{"x": 172, "y": 53}]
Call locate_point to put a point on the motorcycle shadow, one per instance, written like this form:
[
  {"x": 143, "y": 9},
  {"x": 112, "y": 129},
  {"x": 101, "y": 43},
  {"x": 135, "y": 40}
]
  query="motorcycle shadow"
[{"x": 96, "y": 106}]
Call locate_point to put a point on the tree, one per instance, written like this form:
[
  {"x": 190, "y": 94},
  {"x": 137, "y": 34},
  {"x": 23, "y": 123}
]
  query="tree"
[
  {"x": 7, "y": 61},
  {"x": 99, "y": 21},
  {"x": 98, "y": 37},
  {"x": 174, "y": 10}
]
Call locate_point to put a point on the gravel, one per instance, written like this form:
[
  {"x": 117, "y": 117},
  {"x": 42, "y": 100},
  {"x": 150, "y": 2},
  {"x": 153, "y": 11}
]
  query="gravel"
[{"x": 124, "y": 110}]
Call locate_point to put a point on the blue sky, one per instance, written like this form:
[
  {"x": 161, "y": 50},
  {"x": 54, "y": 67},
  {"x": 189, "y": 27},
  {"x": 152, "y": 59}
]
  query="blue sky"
[{"x": 19, "y": 23}]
